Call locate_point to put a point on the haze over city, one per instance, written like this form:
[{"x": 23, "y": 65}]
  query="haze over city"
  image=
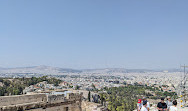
[{"x": 94, "y": 34}]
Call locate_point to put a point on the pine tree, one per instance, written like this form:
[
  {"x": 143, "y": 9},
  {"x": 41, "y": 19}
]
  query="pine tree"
[{"x": 89, "y": 96}]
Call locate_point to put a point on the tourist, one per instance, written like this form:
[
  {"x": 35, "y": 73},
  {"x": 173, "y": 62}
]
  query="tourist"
[
  {"x": 168, "y": 102},
  {"x": 144, "y": 107},
  {"x": 174, "y": 107},
  {"x": 139, "y": 104},
  {"x": 162, "y": 106},
  {"x": 144, "y": 99}
]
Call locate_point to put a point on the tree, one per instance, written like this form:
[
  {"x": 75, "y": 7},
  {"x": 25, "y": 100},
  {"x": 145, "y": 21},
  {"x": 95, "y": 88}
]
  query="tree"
[
  {"x": 2, "y": 91},
  {"x": 17, "y": 85},
  {"x": 102, "y": 98},
  {"x": 77, "y": 87},
  {"x": 89, "y": 96},
  {"x": 125, "y": 98},
  {"x": 7, "y": 82},
  {"x": 119, "y": 108},
  {"x": 93, "y": 86},
  {"x": 1, "y": 79}
]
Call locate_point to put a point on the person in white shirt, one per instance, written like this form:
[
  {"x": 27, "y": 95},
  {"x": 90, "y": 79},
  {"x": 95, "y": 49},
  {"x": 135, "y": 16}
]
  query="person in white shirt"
[
  {"x": 174, "y": 108},
  {"x": 148, "y": 104},
  {"x": 168, "y": 103},
  {"x": 144, "y": 107}
]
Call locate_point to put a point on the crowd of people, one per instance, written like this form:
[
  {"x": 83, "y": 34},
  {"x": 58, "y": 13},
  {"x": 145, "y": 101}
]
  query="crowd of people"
[{"x": 169, "y": 105}]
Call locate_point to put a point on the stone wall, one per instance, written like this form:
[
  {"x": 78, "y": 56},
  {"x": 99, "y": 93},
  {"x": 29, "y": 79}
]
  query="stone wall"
[
  {"x": 55, "y": 98},
  {"x": 41, "y": 102},
  {"x": 73, "y": 96},
  {"x": 69, "y": 107}
]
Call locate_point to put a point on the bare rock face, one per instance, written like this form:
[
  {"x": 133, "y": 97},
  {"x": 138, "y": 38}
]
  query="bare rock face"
[{"x": 90, "y": 106}]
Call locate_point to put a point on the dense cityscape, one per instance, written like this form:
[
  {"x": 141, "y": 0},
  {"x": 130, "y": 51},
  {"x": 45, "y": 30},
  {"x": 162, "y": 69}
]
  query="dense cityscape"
[{"x": 95, "y": 85}]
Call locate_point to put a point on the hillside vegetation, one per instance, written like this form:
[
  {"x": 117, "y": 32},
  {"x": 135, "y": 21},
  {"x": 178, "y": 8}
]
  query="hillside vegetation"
[
  {"x": 16, "y": 86},
  {"x": 125, "y": 98}
]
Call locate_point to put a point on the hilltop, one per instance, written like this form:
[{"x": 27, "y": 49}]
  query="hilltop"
[{"x": 56, "y": 70}]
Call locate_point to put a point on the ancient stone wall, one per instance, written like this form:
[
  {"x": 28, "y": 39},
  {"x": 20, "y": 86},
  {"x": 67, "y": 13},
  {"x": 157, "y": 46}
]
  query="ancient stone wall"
[
  {"x": 68, "y": 107},
  {"x": 55, "y": 98},
  {"x": 41, "y": 102},
  {"x": 73, "y": 96},
  {"x": 20, "y": 99}
]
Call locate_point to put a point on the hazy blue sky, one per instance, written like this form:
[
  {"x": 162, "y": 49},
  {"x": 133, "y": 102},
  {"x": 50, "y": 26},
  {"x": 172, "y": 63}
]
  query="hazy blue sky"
[{"x": 94, "y": 33}]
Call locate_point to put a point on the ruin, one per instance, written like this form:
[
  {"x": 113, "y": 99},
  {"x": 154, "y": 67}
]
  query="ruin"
[{"x": 41, "y": 102}]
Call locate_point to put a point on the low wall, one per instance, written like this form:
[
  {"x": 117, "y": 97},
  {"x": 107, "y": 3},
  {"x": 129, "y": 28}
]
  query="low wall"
[
  {"x": 73, "y": 96},
  {"x": 67, "y": 107},
  {"x": 55, "y": 98},
  {"x": 20, "y": 99},
  {"x": 41, "y": 102}
]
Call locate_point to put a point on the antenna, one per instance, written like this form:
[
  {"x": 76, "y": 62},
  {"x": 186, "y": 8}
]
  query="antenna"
[{"x": 183, "y": 93}]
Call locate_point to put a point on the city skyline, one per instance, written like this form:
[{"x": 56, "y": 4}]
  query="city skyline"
[{"x": 94, "y": 34}]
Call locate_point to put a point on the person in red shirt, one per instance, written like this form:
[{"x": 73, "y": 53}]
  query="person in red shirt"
[{"x": 139, "y": 104}]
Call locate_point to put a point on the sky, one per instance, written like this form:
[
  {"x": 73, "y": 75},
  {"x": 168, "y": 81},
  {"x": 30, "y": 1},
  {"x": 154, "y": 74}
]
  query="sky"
[{"x": 80, "y": 34}]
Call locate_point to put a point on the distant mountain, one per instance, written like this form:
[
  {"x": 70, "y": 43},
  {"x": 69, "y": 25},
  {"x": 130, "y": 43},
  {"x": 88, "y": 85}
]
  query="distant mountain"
[
  {"x": 116, "y": 70},
  {"x": 63, "y": 70},
  {"x": 39, "y": 69},
  {"x": 56, "y": 70}
]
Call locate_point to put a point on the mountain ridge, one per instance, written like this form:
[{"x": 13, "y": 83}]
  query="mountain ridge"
[{"x": 56, "y": 70}]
